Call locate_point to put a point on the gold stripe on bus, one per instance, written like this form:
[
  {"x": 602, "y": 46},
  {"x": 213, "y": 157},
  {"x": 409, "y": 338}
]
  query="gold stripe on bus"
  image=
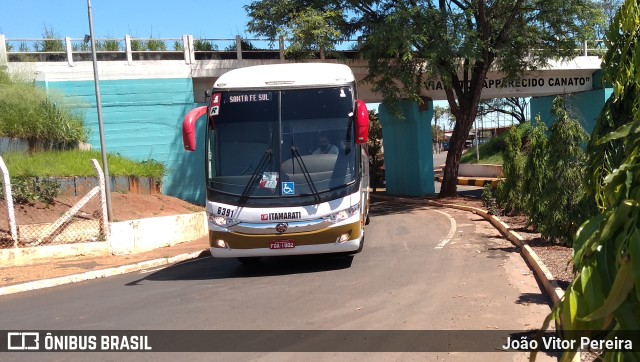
[{"x": 324, "y": 236}]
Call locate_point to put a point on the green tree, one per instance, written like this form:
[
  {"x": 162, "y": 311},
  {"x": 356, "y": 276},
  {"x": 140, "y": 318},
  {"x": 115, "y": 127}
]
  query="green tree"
[
  {"x": 437, "y": 133},
  {"x": 605, "y": 293},
  {"x": 564, "y": 193},
  {"x": 510, "y": 193},
  {"x": 313, "y": 30},
  {"x": 536, "y": 174},
  {"x": 606, "y": 9},
  {"x": 513, "y": 107},
  {"x": 410, "y": 42}
]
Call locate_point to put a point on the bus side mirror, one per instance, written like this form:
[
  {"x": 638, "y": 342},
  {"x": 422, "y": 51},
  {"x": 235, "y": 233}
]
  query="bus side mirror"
[
  {"x": 189, "y": 127},
  {"x": 362, "y": 122}
]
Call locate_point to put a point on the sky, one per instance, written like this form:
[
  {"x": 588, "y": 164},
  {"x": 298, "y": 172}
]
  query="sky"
[
  {"x": 160, "y": 19},
  {"x": 211, "y": 19}
]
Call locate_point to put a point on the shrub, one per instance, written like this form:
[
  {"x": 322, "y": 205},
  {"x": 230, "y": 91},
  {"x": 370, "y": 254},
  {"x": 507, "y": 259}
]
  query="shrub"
[
  {"x": 109, "y": 45},
  {"x": 564, "y": 194},
  {"x": 28, "y": 113},
  {"x": 510, "y": 190},
  {"x": 27, "y": 190},
  {"x": 489, "y": 201},
  {"x": 156, "y": 45},
  {"x": 604, "y": 296},
  {"x": 536, "y": 175},
  {"x": 138, "y": 45},
  {"x": 204, "y": 45}
]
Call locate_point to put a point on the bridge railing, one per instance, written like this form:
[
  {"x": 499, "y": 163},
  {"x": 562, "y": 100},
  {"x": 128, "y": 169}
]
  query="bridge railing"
[
  {"x": 186, "y": 48},
  {"x": 131, "y": 49}
]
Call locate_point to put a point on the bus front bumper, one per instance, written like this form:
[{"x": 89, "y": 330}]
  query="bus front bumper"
[{"x": 343, "y": 238}]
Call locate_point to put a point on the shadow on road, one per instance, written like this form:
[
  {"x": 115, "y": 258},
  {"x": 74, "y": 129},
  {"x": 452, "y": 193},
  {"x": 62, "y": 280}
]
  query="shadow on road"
[
  {"x": 532, "y": 298},
  {"x": 209, "y": 268},
  {"x": 381, "y": 208}
]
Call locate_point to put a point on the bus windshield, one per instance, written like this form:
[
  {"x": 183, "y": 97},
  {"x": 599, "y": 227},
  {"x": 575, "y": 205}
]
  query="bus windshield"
[{"x": 283, "y": 144}]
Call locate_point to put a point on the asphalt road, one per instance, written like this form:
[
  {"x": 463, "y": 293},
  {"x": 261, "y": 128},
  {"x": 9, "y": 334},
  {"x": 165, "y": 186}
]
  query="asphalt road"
[{"x": 421, "y": 269}]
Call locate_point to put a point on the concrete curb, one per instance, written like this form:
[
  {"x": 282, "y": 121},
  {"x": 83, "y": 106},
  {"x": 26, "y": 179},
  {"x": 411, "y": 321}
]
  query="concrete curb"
[
  {"x": 541, "y": 271},
  {"x": 101, "y": 273}
]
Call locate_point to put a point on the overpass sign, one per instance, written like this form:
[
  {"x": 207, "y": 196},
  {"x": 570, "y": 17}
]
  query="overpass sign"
[{"x": 534, "y": 84}]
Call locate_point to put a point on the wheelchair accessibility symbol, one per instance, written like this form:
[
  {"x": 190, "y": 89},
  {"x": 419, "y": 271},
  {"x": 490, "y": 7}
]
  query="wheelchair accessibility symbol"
[{"x": 288, "y": 188}]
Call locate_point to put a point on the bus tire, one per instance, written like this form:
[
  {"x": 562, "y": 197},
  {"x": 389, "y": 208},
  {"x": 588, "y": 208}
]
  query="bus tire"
[{"x": 249, "y": 260}]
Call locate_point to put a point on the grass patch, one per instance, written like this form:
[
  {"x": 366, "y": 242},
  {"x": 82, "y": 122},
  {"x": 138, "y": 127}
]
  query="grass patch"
[
  {"x": 491, "y": 152},
  {"x": 29, "y": 113},
  {"x": 487, "y": 156},
  {"x": 77, "y": 163}
]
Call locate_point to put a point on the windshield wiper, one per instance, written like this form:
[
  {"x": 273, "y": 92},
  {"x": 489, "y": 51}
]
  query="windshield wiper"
[
  {"x": 305, "y": 172},
  {"x": 266, "y": 157}
]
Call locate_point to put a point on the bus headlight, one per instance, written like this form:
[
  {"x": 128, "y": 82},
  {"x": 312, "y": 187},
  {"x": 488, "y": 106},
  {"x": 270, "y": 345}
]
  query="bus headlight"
[
  {"x": 222, "y": 221},
  {"x": 345, "y": 214}
]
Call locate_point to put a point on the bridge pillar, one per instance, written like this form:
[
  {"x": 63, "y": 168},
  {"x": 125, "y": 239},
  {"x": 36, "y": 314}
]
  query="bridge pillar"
[{"x": 408, "y": 154}]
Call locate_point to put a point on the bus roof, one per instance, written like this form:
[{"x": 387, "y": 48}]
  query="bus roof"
[{"x": 286, "y": 75}]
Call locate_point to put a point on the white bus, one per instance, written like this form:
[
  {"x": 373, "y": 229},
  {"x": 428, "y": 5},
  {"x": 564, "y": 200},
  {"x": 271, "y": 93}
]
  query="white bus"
[{"x": 287, "y": 170}]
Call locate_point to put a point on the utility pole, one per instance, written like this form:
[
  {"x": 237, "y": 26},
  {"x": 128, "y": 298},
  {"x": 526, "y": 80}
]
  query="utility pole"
[
  {"x": 103, "y": 147},
  {"x": 478, "y": 140},
  {"x": 477, "y": 144}
]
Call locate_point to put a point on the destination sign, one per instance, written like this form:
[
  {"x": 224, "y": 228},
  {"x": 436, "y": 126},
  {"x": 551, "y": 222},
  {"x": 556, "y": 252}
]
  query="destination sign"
[{"x": 249, "y": 97}]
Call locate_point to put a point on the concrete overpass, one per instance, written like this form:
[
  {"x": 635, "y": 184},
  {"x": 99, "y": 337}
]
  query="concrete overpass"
[{"x": 144, "y": 102}]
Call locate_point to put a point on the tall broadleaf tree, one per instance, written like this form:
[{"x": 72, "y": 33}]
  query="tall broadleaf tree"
[{"x": 410, "y": 42}]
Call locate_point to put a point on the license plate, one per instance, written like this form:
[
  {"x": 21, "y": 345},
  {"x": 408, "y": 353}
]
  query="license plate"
[{"x": 282, "y": 244}]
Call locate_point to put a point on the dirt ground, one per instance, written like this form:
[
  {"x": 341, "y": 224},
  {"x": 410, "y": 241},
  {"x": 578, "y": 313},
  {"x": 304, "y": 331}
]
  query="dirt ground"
[
  {"x": 127, "y": 206},
  {"x": 32, "y": 218}
]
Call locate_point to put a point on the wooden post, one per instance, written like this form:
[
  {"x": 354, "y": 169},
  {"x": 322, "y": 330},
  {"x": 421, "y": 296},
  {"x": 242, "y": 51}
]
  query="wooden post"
[{"x": 104, "y": 222}]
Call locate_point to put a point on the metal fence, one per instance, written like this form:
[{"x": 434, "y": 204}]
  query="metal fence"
[{"x": 33, "y": 221}]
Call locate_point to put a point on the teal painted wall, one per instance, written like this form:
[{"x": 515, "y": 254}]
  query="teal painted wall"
[
  {"x": 586, "y": 105},
  {"x": 408, "y": 154},
  {"x": 143, "y": 121}
]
